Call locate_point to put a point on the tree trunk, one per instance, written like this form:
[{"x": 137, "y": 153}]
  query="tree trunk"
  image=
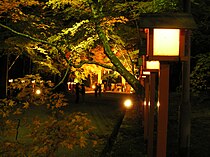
[
  {"x": 185, "y": 106},
  {"x": 134, "y": 82},
  {"x": 3, "y": 76}
]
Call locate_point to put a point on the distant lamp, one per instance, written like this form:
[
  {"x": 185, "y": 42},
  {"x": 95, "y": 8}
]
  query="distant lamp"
[
  {"x": 38, "y": 91},
  {"x": 158, "y": 104},
  {"x": 128, "y": 104},
  {"x": 145, "y": 103},
  {"x": 93, "y": 86},
  {"x": 146, "y": 72},
  {"x": 152, "y": 65},
  {"x": 10, "y": 80},
  {"x": 166, "y": 35},
  {"x": 143, "y": 76}
]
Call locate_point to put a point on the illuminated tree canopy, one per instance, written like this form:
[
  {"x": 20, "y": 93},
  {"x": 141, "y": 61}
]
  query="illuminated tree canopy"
[{"x": 69, "y": 34}]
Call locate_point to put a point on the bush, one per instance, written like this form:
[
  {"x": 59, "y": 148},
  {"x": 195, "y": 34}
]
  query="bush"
[{"x": 45, "y": 136}]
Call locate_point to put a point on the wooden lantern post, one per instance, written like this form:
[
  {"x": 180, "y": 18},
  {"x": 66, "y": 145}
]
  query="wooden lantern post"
[{"x": 166, "y": 43}]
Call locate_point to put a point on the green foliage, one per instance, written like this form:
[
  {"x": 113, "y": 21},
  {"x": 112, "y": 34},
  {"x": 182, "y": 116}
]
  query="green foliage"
[
  {"x": 12, "y": 8},
  {"x": 49, "y": 135},
  {"x": 201, "y": 36},
  {"x": 58, "y": 4},
  {"x": 201, "y": 73},
  {"x": 45, "y": 136},
  {"x": 69, "y": 42},
  {"x": 165, "y": 5}
]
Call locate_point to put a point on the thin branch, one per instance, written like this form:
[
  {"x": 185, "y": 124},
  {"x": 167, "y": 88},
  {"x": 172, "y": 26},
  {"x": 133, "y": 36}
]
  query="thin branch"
[
  {"x": 26, "y": 35},
  {"x": 45, "y": 42},
  {"x": 17, "y": 129},
  {"x": 13, "y": 62},
  {"x": 94, "y": 62},
  {"x": 62, "y": 80}
]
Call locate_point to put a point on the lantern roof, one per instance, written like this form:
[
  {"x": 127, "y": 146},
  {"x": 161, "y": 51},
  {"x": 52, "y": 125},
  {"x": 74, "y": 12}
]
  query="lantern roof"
[{"x": 167, "y": 20}]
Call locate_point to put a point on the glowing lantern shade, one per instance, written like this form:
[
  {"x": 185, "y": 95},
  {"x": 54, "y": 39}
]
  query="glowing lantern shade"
[
  {"x": 152, "y": 65},
  {"x": 166, "y": 42},
  {"x": 165, "y": 34},
  {"x": 146, "y": 72}
]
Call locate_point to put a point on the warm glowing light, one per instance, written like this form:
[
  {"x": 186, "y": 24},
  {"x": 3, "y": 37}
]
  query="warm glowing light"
[
  {"x": 152, "y": 65},
  {"x": 145, "y": 103},
  {"x": 10, "y": 80},
  {"x": 93, "y": 86},
  {"x": 166, "y": 42},
  {"x": 143, "y": 76},
  {"x": 158, "y": 104},
  {"x": 38, "y": 92},
  {"x": 128, "y": 103},
  {"x": 149, "y": 103},
  {"x": 33, "y": 81},
  {"x": 146, "y": 73}
]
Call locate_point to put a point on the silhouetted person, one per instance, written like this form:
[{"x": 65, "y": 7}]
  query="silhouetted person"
[
  {"x": 83, "y": 93},
  {"x": 99, "y": 89},
  {"x": 96, "y": 90},
  {"x": 77, "y": 90}
]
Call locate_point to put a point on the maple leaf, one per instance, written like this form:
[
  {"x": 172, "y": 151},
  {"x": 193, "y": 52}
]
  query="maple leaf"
[
  {"x": 36, "y": 121},
  {"x": 11, "y": 103},
  {"x": 26, "y": 105},
  {"x": 18, "y": 111},
  {"x": 48, "y": 106},
  {"x": 94, "y": 143}
]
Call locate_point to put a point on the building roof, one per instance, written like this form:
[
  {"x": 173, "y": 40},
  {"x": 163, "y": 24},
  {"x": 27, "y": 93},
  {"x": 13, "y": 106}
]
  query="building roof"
[{"x": 170, "y": 20}]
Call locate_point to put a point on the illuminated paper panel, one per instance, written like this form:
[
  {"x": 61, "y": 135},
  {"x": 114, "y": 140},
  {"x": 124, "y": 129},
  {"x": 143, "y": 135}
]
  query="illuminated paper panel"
[
  {"x": 166, "y": 42},
  {"x": 152, "y": 65}
]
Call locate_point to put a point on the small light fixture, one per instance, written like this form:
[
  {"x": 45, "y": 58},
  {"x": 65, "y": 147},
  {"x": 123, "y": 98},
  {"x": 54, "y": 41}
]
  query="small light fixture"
[
  {"x": 166, "y": 35},
  {"x": 153, "y": 65},
  {"x": 10, "y": 80},
  {"x": 146, "y": 72},
  {"x": 166, "y": 42},
  {"x": 158, "y": 104},
  {"x": 38, "y": 91},
  {"x": 93, "y": 86},
  {"x": 128, "y": 104}
]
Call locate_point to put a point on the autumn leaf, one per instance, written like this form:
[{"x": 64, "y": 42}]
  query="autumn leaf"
[
  {"x": 82, "y": 142},
  {"x": 70, "y": 146},
  {"x": 60, "y": 111},
  {"x": 36, "y": 121},
  {"x": 26, "y": 105},
  {"x": 94, "y": 143},
  {"x": 48, "y": 106},
  {"x": 81, "y": 128},
  {"x": 4, "y": 115},
  {"x": 18, "y": 111},
  {"x": 11, "y": 103}
]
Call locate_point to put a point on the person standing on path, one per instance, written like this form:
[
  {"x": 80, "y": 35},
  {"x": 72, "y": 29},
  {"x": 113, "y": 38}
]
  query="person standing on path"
[
  {"x": 83, "y": 92},
  {"x": 99, "y": 89},
  {"x": 96, "y": 90},
  {"x": 77, "y": 92}
]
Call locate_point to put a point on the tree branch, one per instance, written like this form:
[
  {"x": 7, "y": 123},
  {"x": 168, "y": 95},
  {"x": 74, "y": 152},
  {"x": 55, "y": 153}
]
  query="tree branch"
[
  {"x": 115, "y": 61},
  {"x": 26, "y": 35},
  {"x": 93, "y": 62},
  {"x": 45, "y": 42},
  {"x": 13, "y": 62}
]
